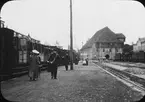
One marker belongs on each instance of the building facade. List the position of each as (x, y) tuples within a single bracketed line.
[(104, 44), (140, 45)]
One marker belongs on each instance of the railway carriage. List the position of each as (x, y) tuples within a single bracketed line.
[(15, 51), (7, 52), (132, 57)]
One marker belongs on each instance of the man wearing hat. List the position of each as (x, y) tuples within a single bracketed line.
[(53, 60), (66, 61)]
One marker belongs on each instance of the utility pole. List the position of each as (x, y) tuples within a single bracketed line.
[(71, 37)]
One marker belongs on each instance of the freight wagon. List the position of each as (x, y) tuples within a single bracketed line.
[(132, 57)]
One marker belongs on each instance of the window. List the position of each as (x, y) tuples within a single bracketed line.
[(121, 39), (103, 50), (25, 56), (116, 50), (22, 44), (22, 56)]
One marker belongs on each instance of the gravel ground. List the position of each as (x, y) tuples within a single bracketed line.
[(83, 84)]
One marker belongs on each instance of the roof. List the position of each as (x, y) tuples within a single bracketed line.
[(120, 35), (103, 35), (142, 39)]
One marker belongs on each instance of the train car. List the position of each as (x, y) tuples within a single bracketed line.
[(132, 57), (118, 57), (8, 52), (15, 52), (16, 49), (127, 56), (140, 56)]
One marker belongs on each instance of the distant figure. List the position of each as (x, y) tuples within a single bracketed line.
[(86, 61), (66, 61), (34, 67), (76, 60), (53, 61)]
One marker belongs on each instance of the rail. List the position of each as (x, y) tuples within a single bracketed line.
[(134, 80)]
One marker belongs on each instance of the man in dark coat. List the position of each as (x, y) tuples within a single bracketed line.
[(66, 61), (53, 61)]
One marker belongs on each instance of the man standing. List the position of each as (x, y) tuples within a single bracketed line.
[(53, 61), (66, 61)]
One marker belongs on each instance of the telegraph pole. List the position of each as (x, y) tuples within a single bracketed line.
[(71, 37)]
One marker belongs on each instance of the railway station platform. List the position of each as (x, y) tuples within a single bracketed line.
[(83, 84)]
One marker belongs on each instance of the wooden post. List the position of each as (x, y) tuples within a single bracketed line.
[(71, 37)]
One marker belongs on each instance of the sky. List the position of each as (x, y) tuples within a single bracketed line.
[(49, 20)]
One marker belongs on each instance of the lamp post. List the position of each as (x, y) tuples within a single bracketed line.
[(71, 37)]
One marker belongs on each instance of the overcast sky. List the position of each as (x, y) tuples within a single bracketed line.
[(49, 20)]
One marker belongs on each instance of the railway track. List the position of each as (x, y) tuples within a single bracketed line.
[(136, 82), (128, 65)]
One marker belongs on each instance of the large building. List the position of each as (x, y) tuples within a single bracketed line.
[(140, 45), (104, 43)]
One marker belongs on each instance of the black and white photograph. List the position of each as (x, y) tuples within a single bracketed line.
[(72, 51)]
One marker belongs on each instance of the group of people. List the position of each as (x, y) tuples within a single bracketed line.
[(52, 64)]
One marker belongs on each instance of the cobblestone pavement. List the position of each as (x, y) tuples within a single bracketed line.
[(83, 84)]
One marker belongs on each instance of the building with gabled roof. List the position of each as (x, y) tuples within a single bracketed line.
[(140, 45), (103, 43)]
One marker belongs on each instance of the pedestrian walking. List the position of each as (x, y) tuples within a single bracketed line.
[(53, 61), (34, 65)]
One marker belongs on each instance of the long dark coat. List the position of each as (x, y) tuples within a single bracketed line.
[(55, 58), (34, 66)]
